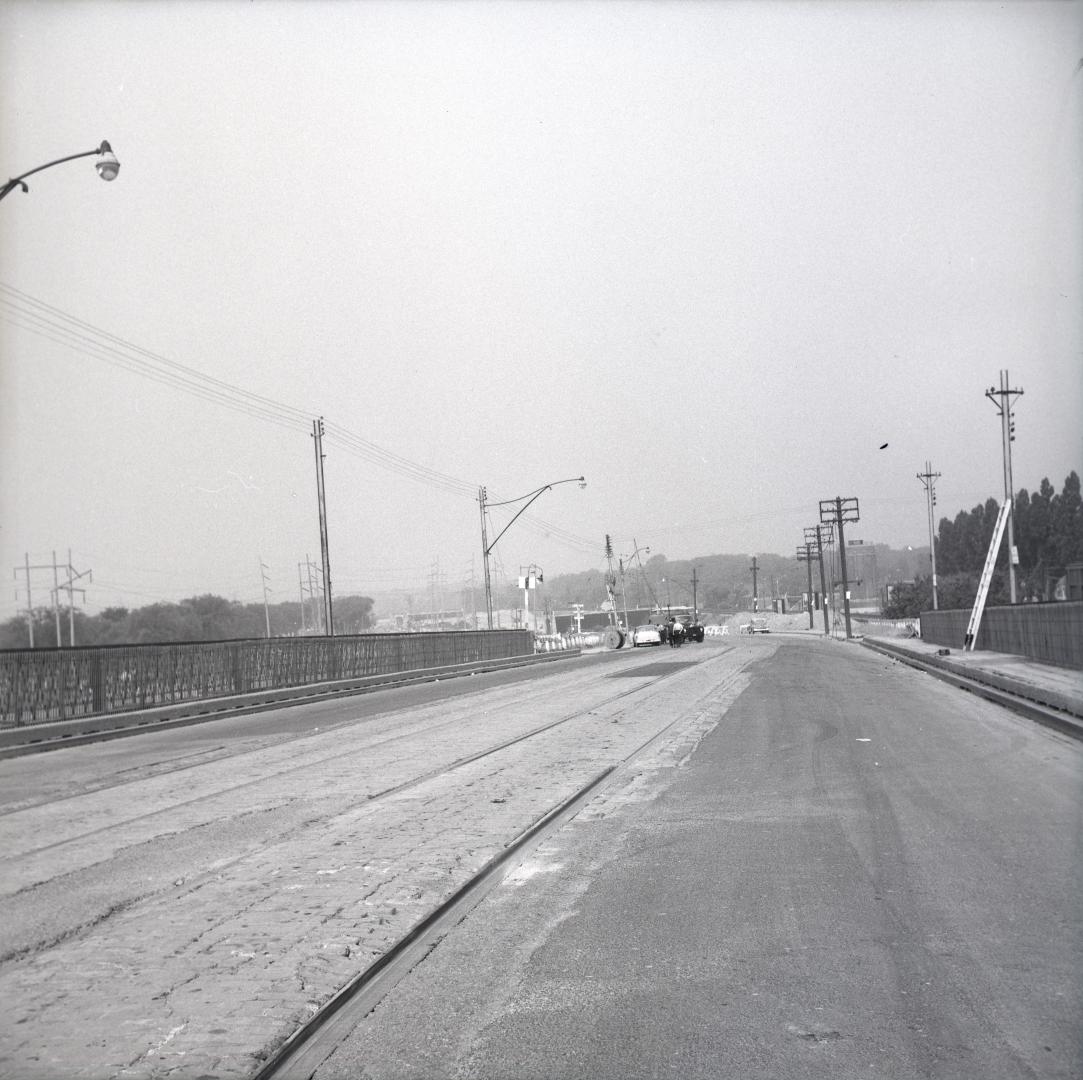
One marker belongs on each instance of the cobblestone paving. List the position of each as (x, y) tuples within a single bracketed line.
[(184, 924)]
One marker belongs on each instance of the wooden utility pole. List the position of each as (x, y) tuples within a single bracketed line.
[(928, 479), (1007, 435), (834, 512), (804, 554)]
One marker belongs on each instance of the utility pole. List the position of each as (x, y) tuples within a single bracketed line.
[(1002, 399), (623, 592), (816, 536), (473, 601), (804, 554), (301, 591), (29, 598), (610, 581), (928, 480), (311, 591), (482, 495), (58, 587), (266, 608), (639, 571), (755, 589), (317, 435), (56, 601), (73, 577), (836, 511), (695, 606)]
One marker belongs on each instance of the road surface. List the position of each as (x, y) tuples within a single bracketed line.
[(810, 861)]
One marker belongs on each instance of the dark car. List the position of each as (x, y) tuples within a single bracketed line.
[(693, 628)]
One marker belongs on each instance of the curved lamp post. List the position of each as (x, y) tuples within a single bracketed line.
[(107, 167), (486, 547)]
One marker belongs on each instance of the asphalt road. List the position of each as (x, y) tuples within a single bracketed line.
[(859, 872)]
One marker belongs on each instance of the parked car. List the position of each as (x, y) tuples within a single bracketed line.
[(647, 634), (756, 626)]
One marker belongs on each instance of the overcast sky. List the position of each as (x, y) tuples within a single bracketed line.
[(709, 255)]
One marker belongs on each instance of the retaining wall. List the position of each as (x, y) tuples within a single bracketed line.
[(1052, 633)]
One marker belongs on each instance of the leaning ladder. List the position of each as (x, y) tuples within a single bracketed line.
[(986, 578)]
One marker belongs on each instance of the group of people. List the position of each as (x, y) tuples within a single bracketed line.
[(673, 631)]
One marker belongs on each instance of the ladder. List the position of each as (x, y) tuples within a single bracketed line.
[(986, 578)]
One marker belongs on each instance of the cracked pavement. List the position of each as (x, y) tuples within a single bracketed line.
[(183, 918)]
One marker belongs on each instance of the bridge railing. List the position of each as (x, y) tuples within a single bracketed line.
[(38, 686)]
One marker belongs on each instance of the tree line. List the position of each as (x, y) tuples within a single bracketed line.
[(200, 618), (1048, 534)]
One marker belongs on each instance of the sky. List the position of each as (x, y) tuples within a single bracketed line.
[(711, 256)]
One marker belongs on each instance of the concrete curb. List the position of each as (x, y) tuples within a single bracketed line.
[(1028, 697)]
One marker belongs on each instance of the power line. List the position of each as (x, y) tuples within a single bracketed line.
[(53, 324), (49, 322)]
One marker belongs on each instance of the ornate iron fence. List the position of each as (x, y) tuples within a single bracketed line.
[(41, 685)]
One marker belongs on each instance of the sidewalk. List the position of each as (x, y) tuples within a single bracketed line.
[(1055, 687)]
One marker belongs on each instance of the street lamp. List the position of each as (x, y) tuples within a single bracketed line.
[(486, 547), (107, 167)]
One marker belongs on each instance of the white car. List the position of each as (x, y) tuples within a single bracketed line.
[(647, 634)]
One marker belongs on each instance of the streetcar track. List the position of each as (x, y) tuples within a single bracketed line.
[(304, 1051), (110, 783), (372, 798)]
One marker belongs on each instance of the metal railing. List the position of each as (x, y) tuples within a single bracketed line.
[(38, 686)]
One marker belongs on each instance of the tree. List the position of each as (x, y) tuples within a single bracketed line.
[(1066, 524), (353, 614), (1048, 533), (909, 599), (162, 623)]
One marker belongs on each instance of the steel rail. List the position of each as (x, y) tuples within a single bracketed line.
[(310, 1045), (405, 785)]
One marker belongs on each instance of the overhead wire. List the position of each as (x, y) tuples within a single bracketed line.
[(48, 322), (369, 451), (26, 312)]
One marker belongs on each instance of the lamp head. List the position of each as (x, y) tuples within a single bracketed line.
[(107, 164), (582, 482)]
